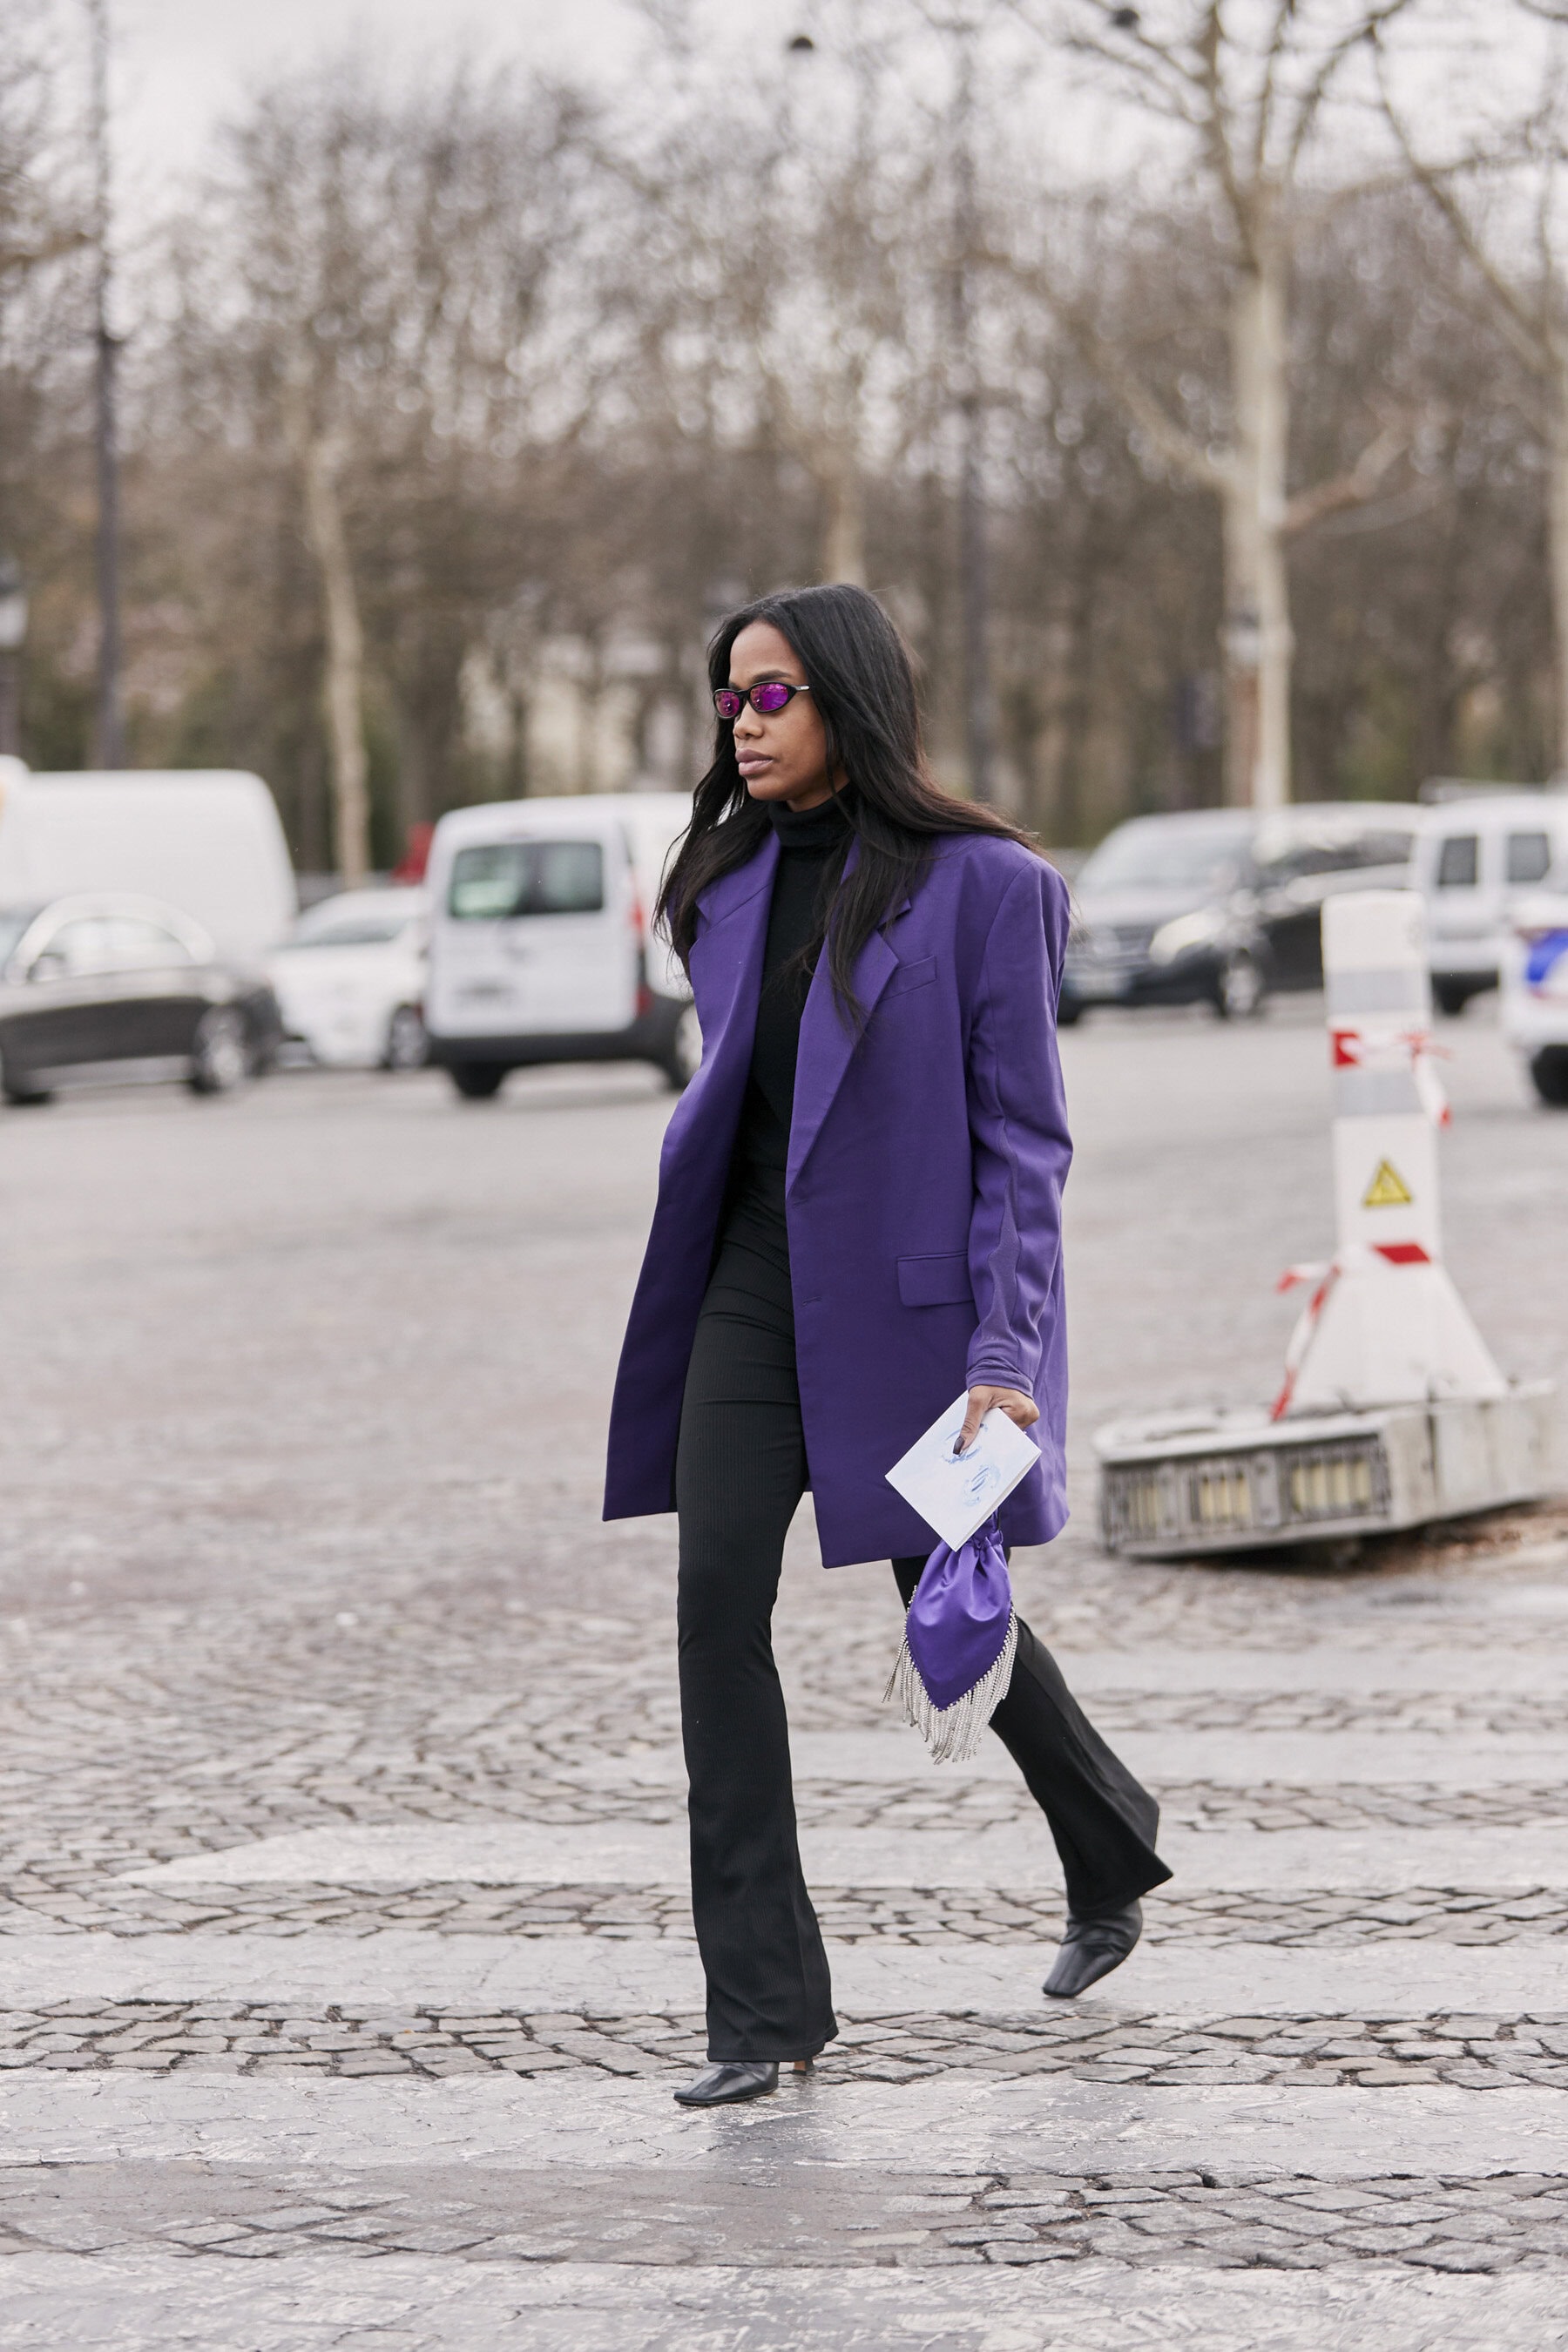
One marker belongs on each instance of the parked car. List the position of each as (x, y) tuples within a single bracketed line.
[(541, 949), (350, 980), (205, 841), (105, 985), (1478, 859), (1535, 989), (1221, 906)]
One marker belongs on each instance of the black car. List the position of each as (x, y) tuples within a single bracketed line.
[(100, 986), (1222, 906)]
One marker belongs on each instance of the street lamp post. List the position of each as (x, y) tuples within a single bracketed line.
[(110, 715), (13, 635), (974, 570)]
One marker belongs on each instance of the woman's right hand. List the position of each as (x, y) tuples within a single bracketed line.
[(1012, 1401)]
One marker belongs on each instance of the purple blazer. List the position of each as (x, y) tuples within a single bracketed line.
[(926, 1164)]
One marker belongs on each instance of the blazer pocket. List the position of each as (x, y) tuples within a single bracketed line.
[(935, 1281), (917, 974)]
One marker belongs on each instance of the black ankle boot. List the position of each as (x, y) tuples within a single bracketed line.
[(727, 2085), (1092, 1946)]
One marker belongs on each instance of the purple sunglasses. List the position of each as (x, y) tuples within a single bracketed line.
[(770, 696)]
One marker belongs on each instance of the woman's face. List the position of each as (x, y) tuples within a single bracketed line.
[(782, 754)]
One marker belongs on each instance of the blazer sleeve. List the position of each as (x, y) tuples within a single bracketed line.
[(1018, 1129)]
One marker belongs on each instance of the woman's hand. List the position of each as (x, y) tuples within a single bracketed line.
[(1012, 1401)]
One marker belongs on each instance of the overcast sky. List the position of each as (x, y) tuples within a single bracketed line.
[(181, 66)]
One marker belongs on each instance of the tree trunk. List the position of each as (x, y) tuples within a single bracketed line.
[(346, 659), (844, 519), (1258, 640), (1077, 702), (1557, 537)]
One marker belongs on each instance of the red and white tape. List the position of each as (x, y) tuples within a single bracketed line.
[(1352, 1047), (1325, 1274)]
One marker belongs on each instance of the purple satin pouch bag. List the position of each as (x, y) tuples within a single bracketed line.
[(960, 1639)]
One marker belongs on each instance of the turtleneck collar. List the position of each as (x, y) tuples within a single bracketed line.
[(815, 828)]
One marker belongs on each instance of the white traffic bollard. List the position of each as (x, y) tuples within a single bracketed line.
[(1384, 1325), (1393, 1413)]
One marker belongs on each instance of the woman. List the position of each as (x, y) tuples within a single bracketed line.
[(858, 1217)]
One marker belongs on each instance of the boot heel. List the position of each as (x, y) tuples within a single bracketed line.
[(803, 2065)]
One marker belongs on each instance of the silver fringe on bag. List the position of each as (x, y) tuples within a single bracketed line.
[(953, 1734)]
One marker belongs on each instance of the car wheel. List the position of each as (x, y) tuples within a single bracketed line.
[(1451, 996), (478, 1081), (1549, 1074), (18, 1093), (1238, 992), (220, 1058), (683, 1056), (1069, 1013), (407, 1047)]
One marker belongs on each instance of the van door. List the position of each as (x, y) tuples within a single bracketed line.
[(1462, 914), (1526, 856), (477, 989), (536, 941), (581, 948)]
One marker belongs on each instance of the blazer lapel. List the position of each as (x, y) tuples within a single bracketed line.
[(726, 962), (827, 1041), (723, 899)]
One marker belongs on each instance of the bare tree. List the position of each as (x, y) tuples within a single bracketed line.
[(792, 261), (1251, 99), (45, 238), (1500, 196), (368, 304), (43, 205), (472, 419)]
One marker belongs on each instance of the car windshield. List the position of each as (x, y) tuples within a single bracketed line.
[(1148, 854), (349, 926)]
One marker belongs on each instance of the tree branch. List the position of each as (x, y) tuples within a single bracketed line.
[(1370, 29), (1283, 12), (1148, 64), (1245, 209), (1353, 489), (52, 248), (1177, 446), (1529, 336)]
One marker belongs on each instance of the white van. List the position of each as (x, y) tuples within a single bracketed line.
[(206, 842), (540, 943), (1475, 860)]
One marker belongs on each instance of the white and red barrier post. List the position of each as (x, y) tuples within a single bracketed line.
[(1384, 1324)]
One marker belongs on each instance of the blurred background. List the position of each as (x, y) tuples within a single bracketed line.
[(391, 410)]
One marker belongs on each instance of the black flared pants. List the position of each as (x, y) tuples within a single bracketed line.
[(740, 1473)]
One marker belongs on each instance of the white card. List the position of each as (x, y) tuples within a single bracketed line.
[(956, 1493)]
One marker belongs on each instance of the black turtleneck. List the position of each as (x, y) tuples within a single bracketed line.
[(811, 848)]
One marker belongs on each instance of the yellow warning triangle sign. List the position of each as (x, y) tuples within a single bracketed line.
[(1388, 1188)]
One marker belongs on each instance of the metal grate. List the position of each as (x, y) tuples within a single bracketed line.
[(1217, 1498), (1348, 1479)]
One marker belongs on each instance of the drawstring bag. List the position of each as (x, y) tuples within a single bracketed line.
[(959, 1639)]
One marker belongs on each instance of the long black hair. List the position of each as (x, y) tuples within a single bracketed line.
[(862, 682)]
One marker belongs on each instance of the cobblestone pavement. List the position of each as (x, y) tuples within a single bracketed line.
[(1478, 2053), (301, 1426), (1153, 2219), (850, 1915)]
